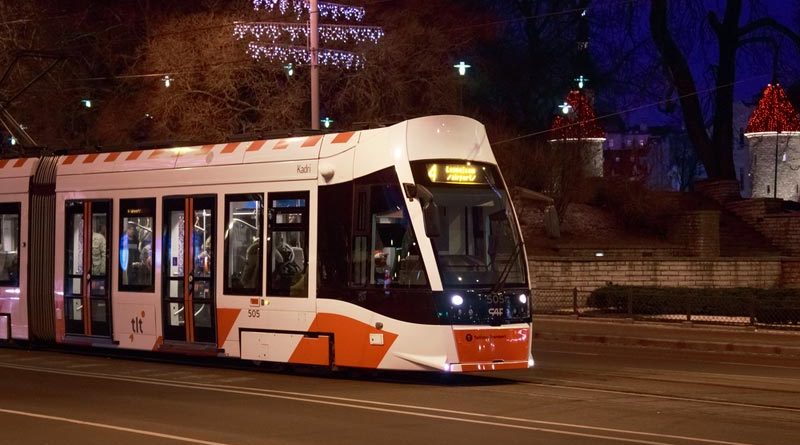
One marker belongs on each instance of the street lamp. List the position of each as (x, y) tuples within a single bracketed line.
[(326, 122), (87, 103), (565, 108), (167, 81), (581, 81), (289, 69), (462, 68)]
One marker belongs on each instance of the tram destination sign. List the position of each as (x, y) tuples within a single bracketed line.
[(456, 173)]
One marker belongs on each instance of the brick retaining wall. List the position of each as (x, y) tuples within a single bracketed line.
[(589, 274), (764, 214)]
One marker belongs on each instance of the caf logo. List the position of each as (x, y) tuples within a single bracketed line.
[(469, 337)]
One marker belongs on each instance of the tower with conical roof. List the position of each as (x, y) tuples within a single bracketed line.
[(576, 127), (773, 134)]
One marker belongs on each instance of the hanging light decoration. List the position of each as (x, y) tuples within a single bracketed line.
[(332, 11), (577, 120), (302, 56), (774, 113), (278, 41), (274, 31)]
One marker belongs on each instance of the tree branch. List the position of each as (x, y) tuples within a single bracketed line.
[(769, 22)]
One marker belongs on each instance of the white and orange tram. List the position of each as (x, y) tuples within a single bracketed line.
[(389, 248)]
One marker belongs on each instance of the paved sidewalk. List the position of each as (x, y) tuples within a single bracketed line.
[(690, 337)]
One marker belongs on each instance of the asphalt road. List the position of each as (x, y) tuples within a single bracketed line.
[(576, 394)]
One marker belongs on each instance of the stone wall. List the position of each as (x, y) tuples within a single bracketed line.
[(698, 231), (721, 191), (765, 215), (588, 274), (762, 165)]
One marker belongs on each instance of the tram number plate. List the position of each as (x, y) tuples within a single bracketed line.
[(496, 305), (254, 313)]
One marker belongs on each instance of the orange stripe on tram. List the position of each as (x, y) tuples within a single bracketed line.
[(230, 148), (157, 153), (3, 162), (112, 157), (256, 145), (341, 138), (69, 159), (311, 141), (280, 145), (226, 318), (90, 158), (134, 155), (350, 337), (20, 162), (205, 149)]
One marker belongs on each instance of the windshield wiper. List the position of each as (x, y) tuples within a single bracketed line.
[(501, 282)]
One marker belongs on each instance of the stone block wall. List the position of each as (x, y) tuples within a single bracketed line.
[(720, 191), (767, 150), (698, 231), (764, 215), (589, 274)]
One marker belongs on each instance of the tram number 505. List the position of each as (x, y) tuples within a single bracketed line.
[(254, 313)]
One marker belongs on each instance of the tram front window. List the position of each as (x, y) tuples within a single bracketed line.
[(478, 243)]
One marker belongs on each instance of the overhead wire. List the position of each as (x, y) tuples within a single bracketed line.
[(629, 110)]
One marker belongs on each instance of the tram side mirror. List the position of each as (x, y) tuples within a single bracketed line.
[(430, 211)]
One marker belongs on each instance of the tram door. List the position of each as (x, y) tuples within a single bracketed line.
[(188, 269), (88, 263)]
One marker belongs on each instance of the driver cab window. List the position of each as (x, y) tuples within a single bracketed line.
[(385, 250), (288, 244)]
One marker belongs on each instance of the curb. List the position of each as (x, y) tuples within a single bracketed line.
[(684, 345), (675, 337)]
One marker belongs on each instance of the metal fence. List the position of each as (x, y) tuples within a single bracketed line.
[(735, 310)]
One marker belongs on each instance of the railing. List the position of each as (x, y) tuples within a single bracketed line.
[(733, 310)]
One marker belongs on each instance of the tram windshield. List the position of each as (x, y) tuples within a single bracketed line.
[(477, 244)]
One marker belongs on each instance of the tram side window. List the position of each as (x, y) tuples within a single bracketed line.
[(136, 244), (243, 239), (9, 244), (335, 204), (288, 244), (385, 250)]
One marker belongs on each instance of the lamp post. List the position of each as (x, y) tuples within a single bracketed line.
[(462, 71)]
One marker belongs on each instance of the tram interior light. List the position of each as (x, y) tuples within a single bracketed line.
[(457, 300)]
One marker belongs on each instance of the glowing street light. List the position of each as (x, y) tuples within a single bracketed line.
[(581, 81), (167, 81), (462, 67), (326, 122), (289, 69), (87, 103), (565, 107)]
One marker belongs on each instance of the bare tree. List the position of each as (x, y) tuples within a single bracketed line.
[(715, 150)]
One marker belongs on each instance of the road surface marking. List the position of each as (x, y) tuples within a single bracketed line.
[(393, 408), (111, 427), (660, 396)]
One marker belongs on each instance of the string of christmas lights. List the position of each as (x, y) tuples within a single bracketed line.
[(773, 113), (302, 56), (580, 121), (274, 31), (332, 11)]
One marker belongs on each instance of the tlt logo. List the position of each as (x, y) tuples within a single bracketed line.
[(136, 324)]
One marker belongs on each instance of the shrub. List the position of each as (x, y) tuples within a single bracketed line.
[(770, 306)]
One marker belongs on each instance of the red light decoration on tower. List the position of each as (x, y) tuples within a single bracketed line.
[(580, 122), (774, 113)]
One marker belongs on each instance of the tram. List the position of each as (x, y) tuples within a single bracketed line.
[(389, 248)]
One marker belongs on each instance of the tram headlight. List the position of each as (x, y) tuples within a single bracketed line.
[(523, 298), (457, 300)]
